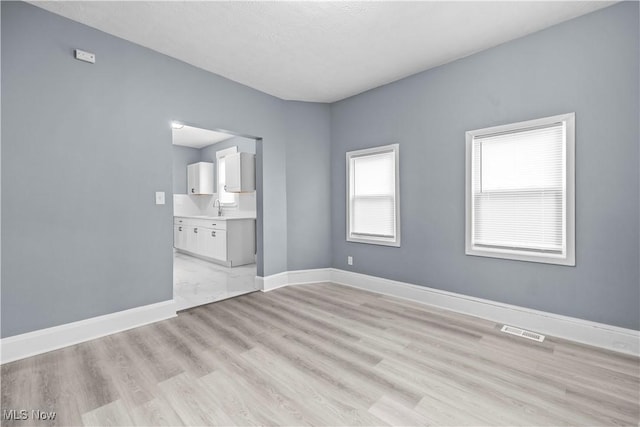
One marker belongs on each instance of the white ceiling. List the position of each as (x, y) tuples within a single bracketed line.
[(318, 51), (189, 136)]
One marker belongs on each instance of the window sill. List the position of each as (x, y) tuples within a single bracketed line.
[(374, 241), (516, 255)]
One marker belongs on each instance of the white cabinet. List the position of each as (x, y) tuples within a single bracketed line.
[(213, 243), (179, 237), (185, 236), (200, 178), (228, 241), (188, 238), (240, 172)]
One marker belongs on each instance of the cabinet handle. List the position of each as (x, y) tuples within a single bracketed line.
[(213, 234), (193, 190), (213, 225), (195, 230), (179, 228), (225, 187)]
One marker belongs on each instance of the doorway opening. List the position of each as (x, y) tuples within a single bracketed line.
[(215, 210)]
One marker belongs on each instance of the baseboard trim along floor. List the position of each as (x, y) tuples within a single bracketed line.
[(297, 277), (44, 340), (601, 335), (582, 331)]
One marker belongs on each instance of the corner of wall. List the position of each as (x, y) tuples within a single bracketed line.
[(308, 166)]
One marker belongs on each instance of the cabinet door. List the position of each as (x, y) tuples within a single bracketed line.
[(179, 237), (205, 178), (192, 179), (184, 237), (200, 178), (240, 172), (232, 173), (214, 243), (191, 239)]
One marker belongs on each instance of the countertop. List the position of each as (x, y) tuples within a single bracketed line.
[(217, 218)]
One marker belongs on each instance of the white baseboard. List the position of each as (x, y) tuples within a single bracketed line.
[(297, 277), (579, 330), (44, 340), (275, 281)]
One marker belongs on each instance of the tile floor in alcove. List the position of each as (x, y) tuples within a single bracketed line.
[(197, 282)]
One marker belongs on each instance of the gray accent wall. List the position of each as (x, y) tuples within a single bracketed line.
[(85, 147), (589, 66), (183, 157), (308, 186)]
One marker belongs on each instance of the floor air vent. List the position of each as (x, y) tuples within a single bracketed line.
[(522, 333)]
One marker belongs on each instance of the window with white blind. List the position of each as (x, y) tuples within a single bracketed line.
[(373, 208), (226, 198), (520, 201)]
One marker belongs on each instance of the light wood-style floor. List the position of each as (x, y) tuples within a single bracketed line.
[(324, 355)]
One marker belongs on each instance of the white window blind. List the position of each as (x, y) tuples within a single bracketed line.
[(519, 191), (372, 195)]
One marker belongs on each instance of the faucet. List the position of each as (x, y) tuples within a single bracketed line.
[(219, 207)]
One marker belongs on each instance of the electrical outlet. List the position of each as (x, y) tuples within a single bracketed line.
[(350, 260)]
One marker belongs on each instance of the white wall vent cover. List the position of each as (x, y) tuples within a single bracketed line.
[(522, 333)]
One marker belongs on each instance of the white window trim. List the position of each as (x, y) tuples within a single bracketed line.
[(219, 155), (568, 256), (384, 241)]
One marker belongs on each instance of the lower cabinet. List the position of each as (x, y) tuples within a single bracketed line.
[(212, 243), (230, 242), (186, 238), (180, 237)]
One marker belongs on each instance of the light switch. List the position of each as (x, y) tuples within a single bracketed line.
[(159, 197)]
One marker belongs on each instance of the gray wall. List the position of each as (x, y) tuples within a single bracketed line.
[(588, 65), (182, 157), (85, 148), (308, 186)]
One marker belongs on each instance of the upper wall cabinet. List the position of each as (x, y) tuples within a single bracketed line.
[(200, 178), (240, 172)]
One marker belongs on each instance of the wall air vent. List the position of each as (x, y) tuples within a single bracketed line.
[(522, 333)]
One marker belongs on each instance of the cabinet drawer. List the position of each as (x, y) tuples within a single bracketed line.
[(209, 223), (180, 220)]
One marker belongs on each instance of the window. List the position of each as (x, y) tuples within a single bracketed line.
[(373, 208), (520, 191), (226, 199)]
